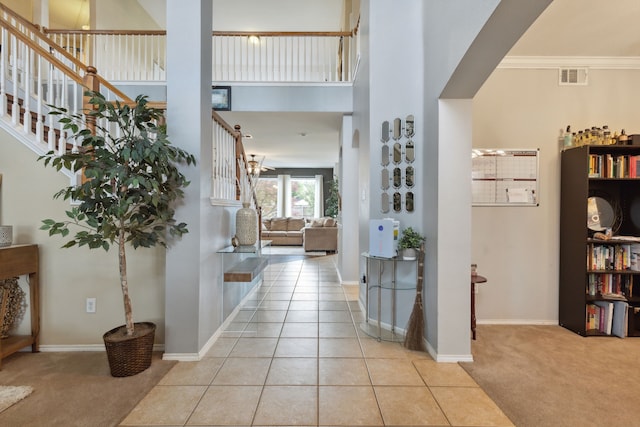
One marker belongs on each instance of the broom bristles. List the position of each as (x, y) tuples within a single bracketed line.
[(414, 339)]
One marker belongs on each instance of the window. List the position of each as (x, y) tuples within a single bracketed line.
[(302, 197), (290, 196), (267, 195)]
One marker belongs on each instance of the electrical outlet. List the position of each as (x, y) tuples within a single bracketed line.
[(91, 305)]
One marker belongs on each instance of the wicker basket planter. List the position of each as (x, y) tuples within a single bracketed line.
[(130, 355)]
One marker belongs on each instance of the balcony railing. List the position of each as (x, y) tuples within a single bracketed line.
[(319, 57)]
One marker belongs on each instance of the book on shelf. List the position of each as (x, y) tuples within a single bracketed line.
[(619, 326), (591, 317), (611, 166), (614, 296), (605, 316)]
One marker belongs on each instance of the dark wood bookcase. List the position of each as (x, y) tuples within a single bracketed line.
[(578, 272)]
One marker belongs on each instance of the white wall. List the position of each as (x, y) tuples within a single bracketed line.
[(395, 85), (121, 15), (517, 249)]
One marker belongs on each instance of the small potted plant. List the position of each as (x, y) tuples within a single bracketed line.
[(127, 196), (410, 240)]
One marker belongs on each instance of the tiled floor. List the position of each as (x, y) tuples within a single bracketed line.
[(295, 356)]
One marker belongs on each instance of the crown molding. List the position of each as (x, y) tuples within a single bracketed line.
[(554, 62)]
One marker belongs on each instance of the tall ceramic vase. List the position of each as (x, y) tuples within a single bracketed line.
[(246, 225)]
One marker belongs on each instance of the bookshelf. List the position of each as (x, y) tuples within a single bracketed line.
[(599, 291)]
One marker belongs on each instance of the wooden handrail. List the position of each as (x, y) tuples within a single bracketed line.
[(218, 118), (116, 91), (107, 32), (353, 32)]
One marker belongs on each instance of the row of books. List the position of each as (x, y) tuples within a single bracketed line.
[(610, 166), (608, 317), (610, 284), (613, 257)]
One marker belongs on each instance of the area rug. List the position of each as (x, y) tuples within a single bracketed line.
[(12, 394)]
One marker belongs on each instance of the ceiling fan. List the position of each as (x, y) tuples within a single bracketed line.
[(255, 167)]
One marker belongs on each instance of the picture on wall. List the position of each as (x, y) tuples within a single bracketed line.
[(221, 98)]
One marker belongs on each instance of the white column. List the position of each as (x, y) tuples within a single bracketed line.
[(41, 13), (348, 252), (188, 277), (318, 205)]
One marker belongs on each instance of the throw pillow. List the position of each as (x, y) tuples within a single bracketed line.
[(279, 224), (317, 223), (295, 224), (266, 224), (329, 222)]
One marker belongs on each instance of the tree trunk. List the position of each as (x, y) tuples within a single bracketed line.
[(124, 283)]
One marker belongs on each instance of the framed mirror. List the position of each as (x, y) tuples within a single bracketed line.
[(408, 177), (397, 177), (409, 130), (409, 201), (397, 153), (397, 128), (397, 202), (385, 179), (384, 136), (385, 155), (409, 152), (384, 203)]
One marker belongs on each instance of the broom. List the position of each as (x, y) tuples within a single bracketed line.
[(414, 338)]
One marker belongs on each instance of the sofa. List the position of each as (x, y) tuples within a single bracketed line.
[(320, 234), (283, 231)]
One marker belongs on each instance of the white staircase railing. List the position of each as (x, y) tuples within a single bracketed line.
[(316, 57), (35, 73), (224, 170)]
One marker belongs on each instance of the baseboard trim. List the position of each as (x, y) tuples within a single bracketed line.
[(517, 322), (80, 348)]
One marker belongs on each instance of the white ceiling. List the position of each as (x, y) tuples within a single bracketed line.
[(567, 28), (302, 140), (583, 28)]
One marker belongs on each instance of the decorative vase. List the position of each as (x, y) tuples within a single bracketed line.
[(246, 225), (6, 235), (409, 254)]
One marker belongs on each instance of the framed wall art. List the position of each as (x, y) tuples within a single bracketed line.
[(221, 98)]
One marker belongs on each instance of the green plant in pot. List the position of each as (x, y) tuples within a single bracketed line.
[(130, 186), (410, 241)]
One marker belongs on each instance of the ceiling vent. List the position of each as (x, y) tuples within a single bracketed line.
[(573, 76)]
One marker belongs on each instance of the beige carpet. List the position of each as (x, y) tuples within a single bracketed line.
[(10, 394), (74, 389), (548, 376)]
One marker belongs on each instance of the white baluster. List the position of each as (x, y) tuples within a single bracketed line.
[(26, 117), (3, 76)]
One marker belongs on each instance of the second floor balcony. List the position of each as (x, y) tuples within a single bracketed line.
[(282, 57)]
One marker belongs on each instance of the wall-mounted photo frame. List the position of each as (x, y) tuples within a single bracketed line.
[(221, 98)]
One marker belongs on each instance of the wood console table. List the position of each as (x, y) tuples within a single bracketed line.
[(18, 260), (474, 279)]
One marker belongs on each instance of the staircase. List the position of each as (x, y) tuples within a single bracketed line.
[(36, 72)]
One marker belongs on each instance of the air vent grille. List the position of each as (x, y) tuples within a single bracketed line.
[(573, 76)]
